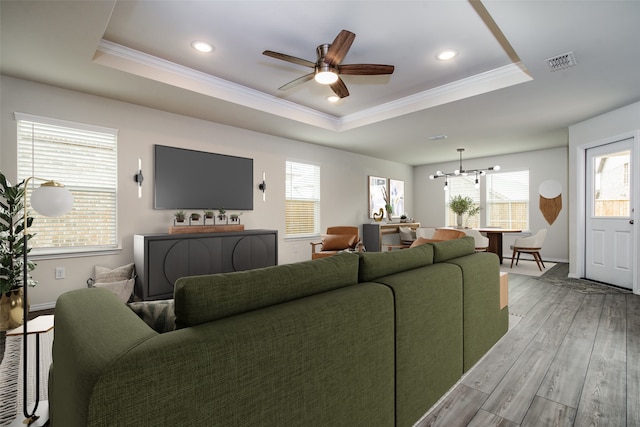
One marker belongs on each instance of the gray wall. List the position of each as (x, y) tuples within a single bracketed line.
[(343, 175)]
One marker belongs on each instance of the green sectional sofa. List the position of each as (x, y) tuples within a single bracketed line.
[(350, 340)]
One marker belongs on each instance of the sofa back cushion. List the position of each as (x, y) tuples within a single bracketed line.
[(374, 265), (201, 299), (449, 249)]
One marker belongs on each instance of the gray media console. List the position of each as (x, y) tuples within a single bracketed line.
[(161, 259)]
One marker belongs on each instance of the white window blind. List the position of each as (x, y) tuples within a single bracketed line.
[(84, 159), (302, 199), (508, 200), (465, 187)]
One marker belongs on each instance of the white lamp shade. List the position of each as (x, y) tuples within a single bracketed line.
[(51, 200)]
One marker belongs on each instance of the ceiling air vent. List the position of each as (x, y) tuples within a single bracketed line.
[(561, 62)]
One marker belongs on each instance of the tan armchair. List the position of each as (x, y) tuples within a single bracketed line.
[(335, 240), (439, 235)]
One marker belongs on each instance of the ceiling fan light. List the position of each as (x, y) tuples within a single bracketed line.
[(326, 77), (333, 98), (496, 168)]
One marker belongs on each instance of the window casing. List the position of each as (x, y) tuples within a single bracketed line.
[(507, 203), (302, 196), (84, 159)]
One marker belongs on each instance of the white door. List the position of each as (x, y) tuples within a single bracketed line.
[(609, 224)]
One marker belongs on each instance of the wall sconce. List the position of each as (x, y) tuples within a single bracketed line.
[(139, 178), (263, 186)]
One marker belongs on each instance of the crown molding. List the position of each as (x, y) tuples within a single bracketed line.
[(144, 65)]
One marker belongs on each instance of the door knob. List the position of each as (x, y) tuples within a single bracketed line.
[(631, 221)]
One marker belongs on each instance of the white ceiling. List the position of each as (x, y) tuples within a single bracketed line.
[(496, 97)]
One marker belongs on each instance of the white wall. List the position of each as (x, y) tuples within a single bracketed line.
[(343, 175), (430, 207), (614, 125)]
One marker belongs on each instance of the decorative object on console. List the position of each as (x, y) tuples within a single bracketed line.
[(387, 203), (221, 214), (463, 172), (139, 178), (194, 217), (235, 218), (377, 217), (180, 216), (263, 186)]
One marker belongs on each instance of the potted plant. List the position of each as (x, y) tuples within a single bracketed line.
[(12, 223), (221, 214), (180, 216), (235, 217), (195, 216), (461, 205), (208, 214)]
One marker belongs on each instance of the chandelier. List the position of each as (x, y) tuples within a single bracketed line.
[(462, 172)]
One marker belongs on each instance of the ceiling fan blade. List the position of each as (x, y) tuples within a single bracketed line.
[(339, 88), (340, 47), (297, 81), (289, 58), (365, 69)]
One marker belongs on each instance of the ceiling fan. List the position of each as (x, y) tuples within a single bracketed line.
[(327, 68)]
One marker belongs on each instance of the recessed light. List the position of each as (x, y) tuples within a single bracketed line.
[(437, 137), (445, 55), (333, 98), (201, 46)]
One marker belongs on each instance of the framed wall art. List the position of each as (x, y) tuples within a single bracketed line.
[(396, 196), (377, 190)]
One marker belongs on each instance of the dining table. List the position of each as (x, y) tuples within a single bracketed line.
[(495, 238)]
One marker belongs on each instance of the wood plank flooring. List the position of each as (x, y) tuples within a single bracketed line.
[(569, 359)]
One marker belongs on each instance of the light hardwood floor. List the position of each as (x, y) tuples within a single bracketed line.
[(569, 359)]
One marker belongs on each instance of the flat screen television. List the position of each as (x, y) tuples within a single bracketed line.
[(190, 179)]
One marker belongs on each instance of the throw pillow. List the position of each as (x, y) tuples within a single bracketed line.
[(337, 242), (107, 275), (121, 289), (407, 234), (159, 315)]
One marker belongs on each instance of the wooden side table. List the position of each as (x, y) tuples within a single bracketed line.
[(37, 326)]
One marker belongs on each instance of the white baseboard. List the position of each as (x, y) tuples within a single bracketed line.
[(44, 306)]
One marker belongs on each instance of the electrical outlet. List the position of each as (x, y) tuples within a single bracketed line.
[(59, 273)]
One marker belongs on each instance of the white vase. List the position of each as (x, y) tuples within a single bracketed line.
[(459, 221)]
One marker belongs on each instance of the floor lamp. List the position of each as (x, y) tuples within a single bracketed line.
[(50, 199)]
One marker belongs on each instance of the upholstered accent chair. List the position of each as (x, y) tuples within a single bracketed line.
[(529, 245), (336, 239), (482, 242)]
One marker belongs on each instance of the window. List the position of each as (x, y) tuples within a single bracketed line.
[(508, 200), (84, 159), (302, 199), (465, 187)]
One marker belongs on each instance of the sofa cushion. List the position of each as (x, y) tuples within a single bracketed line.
[(338, 242), (374, 265), (449, 249), (201, 299)]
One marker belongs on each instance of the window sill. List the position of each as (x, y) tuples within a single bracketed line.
[(78, 253)]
